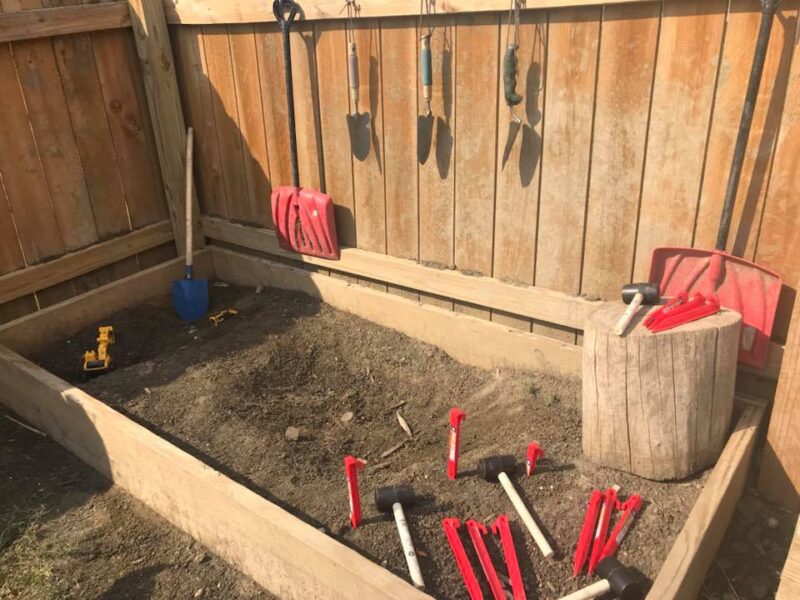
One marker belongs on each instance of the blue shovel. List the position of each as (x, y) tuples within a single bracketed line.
[(189, 295)]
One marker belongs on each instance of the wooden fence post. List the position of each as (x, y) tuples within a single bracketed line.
[(161, 85), (779, 480)]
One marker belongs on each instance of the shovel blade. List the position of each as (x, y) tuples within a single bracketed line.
[(190, 298), (738, 284), (304, 221)]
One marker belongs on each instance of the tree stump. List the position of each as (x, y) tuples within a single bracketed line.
[(658, 405)]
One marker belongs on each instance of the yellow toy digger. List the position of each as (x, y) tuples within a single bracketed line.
[(99, 361)]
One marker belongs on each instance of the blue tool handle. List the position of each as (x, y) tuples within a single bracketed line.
[(426, 70)]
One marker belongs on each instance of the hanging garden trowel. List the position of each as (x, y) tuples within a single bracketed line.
[(510, 63), (425, 122), (357, 123)]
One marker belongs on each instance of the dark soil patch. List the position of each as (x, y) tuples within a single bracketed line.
[(227, 394), (65, 534)]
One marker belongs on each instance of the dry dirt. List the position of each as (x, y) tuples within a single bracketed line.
[(228, 394)]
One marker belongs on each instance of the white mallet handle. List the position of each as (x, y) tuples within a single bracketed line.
[(408, 545), (625, 319), (590, 591), (526, 517)]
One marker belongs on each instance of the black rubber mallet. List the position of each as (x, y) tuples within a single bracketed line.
[(623, 582), (634, 295), (496, 468), (392, 499)]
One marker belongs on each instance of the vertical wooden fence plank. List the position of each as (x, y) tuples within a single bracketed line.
[(519, 153), (437, 173), (251, 121), (737, 58), (226, 117), (572, 48), (624, 82), (193, 75), (681, 107), (11, 259), (331, 61)]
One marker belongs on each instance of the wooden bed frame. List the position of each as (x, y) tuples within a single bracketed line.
[(279, 551)]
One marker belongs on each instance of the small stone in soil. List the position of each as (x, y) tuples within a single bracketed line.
[(199, 592), (346, 417), (201, 557), (772, 522), (292, 434)]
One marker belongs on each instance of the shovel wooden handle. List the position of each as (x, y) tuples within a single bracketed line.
[(352, 72), (188, 200)]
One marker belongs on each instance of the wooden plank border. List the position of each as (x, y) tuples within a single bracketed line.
[(32, 279), (279, 551), (528, 301), (197, 12), (682, 574), (63, 20), (468, 339), (35, 331)]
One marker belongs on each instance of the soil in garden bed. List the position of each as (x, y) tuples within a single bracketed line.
[(277, 395), (65, 534)]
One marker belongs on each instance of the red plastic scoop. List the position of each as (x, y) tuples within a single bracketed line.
[(304, 221), (737, 284)]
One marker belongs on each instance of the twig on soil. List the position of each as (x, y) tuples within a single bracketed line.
[(728, 579), (28, 427), (396, 406), (393, 449), (382, 465), (708, 593), (404, 425)]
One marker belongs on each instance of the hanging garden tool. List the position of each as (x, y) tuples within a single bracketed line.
[(303, 217), (357, 123), (425, 122), (510, 65)]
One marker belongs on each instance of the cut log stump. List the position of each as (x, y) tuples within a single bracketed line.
[(658, 405)]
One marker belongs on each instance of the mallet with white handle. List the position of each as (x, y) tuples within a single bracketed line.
[(634, 295), (495, 468), (622, 581)]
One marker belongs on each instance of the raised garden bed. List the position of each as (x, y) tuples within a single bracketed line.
[(265, 370)]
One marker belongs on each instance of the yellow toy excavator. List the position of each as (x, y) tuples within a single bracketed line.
[(99, 361)]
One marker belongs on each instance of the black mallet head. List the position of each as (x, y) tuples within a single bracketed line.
[(626, 584), (648, 290), (387, 496), (490, 467)]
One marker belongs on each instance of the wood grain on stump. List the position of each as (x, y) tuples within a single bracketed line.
[(658, 405)]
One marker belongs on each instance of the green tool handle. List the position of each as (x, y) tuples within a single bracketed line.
[(352, 72), (510, 76), (426, 70)]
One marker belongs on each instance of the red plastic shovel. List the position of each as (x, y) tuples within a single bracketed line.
[(304, 220), (736, 283)]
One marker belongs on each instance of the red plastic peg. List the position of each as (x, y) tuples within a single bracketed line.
[(451, 526), (352, 466), (476, 532), (457, 416), (502, 528), (534, 453), (630, 507), (585, 538), (609, 504)]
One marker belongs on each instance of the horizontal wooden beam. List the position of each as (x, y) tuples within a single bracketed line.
[(526, 301), (26, 281), (684, 570), (36, 331), (190, 12), (279, 551), (63, 20), (468, 339)]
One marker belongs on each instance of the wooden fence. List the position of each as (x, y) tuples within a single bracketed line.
[(629, 120), (78, 163)]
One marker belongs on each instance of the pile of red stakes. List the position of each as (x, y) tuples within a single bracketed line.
[(597, 521)]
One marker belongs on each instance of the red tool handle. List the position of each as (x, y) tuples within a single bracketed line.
[(457, 416), (352, 466), (609, 504), (533, 454), (502, 528), (476, 532), (456, 545), (631, 506), (585, 538)]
